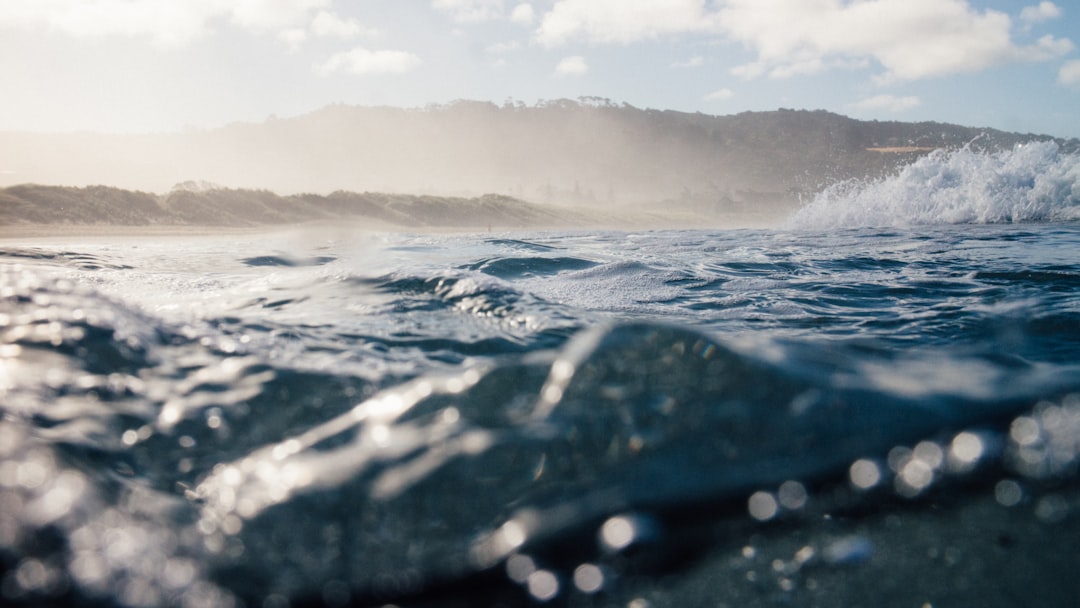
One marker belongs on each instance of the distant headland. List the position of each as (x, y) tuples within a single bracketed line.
[(496, 161)]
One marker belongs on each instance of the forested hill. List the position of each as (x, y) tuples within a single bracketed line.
[(571, 152)]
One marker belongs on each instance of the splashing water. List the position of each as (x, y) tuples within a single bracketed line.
[(1034, 182)]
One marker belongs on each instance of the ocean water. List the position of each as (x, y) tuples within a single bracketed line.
[(876, 403)]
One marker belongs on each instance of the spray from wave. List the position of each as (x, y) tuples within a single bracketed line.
[(1033, 182)]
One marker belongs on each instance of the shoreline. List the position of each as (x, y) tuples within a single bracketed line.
[(734, 221)]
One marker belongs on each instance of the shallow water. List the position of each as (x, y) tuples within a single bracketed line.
[(589, 418)]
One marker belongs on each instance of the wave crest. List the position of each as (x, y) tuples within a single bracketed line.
[(1033, 182)]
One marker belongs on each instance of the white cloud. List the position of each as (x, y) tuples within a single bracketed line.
[(523, 14), (720, 95), (470, 11), (165, 22), (911, 39), (1044, 11), (1069, 74), (293, 37), (888, 103), (328, 24), (325, 24), (363, 61), (271, 15), (621, 21), (503, 47), (479, 11), (694, 62), (572, 66)]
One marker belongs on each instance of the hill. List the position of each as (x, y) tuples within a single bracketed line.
[(590, 151)]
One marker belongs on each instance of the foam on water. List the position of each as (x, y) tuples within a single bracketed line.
[(1032, 183)]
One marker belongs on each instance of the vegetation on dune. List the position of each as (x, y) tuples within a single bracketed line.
[(101, 205)]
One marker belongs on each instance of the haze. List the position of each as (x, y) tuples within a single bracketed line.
[(286, 96), (137, 66)]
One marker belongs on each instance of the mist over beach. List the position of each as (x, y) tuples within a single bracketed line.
[(584, 163)]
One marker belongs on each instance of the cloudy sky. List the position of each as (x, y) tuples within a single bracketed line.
[(169, 65)]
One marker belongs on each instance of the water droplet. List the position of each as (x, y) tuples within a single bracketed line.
[(965, 450), (864, 474), (1051, 509), (543, 585), (1008, 493), (618, 533), (589, 578), (915, 476), (792, 495), (898, 457), (762, 506), (519, 567), (1024, 430), (930, 453)]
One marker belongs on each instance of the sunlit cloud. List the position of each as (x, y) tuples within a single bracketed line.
[(621, 21), (170, 23), (324, 24), (166, 22), (503, 47), (694, 62), (1069, 74), (293, 37), (328, 24), (523, 14), (269, 15), (1044, 11), (364, 61), (720, 95), (887, 103), (470, 11), (572, 66), (908, 39)]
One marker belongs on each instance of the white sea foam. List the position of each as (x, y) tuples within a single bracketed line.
[(1034, 182)]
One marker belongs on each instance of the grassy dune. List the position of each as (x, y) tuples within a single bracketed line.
[(36, 210)]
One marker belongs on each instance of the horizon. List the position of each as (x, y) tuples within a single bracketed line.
[(582, 101), (168, 66), (541, 152)]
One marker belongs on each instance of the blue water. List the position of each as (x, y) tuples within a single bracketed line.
[(334, 417)]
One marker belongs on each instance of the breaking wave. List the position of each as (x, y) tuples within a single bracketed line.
[(1033, 182)]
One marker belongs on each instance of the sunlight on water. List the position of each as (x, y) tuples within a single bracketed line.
[(799, 413)]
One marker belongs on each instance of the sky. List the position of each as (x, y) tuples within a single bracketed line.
[(153, 66)]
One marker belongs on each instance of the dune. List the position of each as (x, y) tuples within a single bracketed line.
[(37, 210)]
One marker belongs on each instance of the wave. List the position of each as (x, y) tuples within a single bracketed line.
[(260, 481), (1033, 182), (324, 433)]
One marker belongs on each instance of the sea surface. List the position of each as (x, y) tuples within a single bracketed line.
[(875, 403)]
